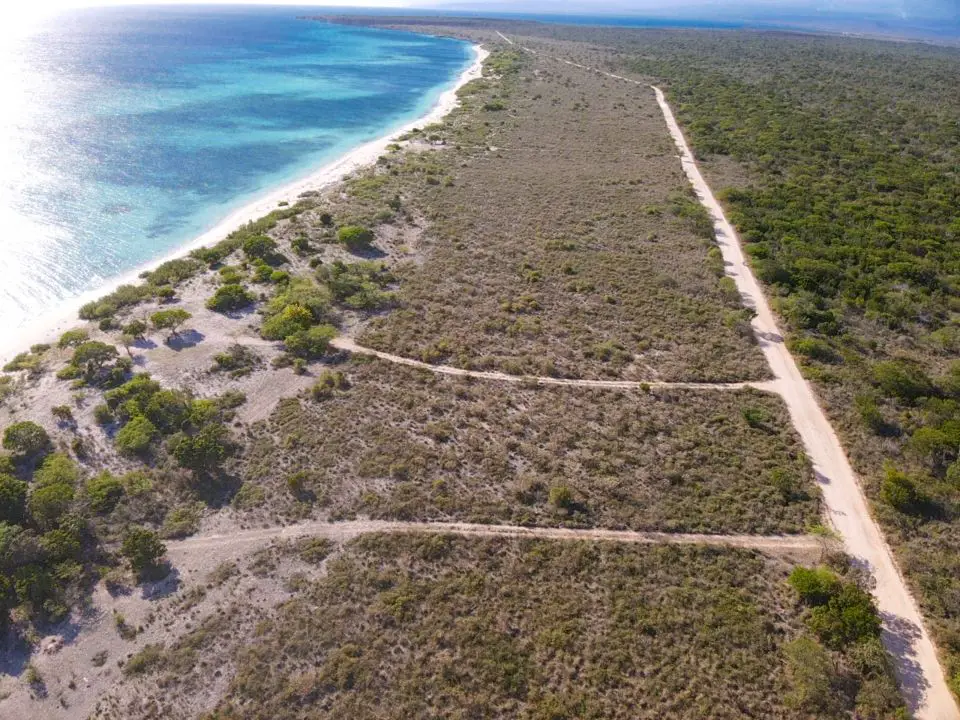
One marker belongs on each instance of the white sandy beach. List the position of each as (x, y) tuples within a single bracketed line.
[(50, 325)]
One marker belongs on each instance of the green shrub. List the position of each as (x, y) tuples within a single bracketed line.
[(182, 521), (811, 674), (57, 468), (69, 372), (238, 360), (902, 380), (213, 255), (355, 238), (325, 385), (123, 296), (292, 319), (72, 338), (26, 438), (47, 503), (142, 548), (561, 497), (229, 298), (29, 362), (815, 586), (311, 343), (174, 271), (13, 499), (150, 658), (250, 495), (104, 492), (103, 415), (900, 492), (814, 348), (136, 436), (167, 410)]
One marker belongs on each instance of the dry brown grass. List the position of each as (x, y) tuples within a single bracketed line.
[(410, 626), (551, 232), (406, 444)]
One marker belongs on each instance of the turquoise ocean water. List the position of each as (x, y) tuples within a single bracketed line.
[(126, 132)]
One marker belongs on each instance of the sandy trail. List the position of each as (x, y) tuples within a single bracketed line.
[(918, 668), (345, 343), (341, 531)]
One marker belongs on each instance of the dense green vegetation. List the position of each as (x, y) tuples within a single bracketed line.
[(50, 546), (845, 187)]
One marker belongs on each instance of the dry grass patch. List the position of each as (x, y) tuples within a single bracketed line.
[(392, 442), (413, 626)]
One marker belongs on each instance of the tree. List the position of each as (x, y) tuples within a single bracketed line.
[(26, 438), (136, 328), (848, 618), (92, 356), (135, 437), (142, 548), (13, 498), (259, 247), (128, 341), (230, 297), (355, 237), (170, 320)]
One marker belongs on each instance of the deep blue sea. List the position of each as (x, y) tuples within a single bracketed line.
[(126, 132)]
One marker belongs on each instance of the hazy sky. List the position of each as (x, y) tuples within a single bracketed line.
[(907, 9)]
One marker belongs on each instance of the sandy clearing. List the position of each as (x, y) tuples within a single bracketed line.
[(347, 344)]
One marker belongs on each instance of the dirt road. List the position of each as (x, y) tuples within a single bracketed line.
[(342, 531), (918, 667)]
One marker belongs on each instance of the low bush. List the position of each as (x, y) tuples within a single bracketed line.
[(230, 298), (355, 238)]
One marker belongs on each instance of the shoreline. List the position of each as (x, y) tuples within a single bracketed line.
[(49, 325)]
